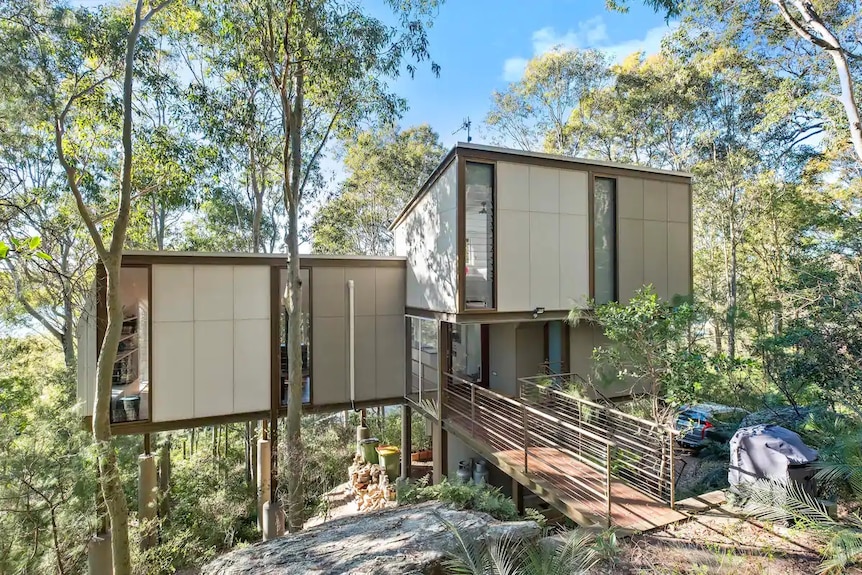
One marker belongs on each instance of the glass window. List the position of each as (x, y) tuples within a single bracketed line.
[(423, 360), (479, 238), (305, 343), (466, 346), (604, 240), (130, 381)]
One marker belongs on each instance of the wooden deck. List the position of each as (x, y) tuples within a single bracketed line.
[(575, 484)]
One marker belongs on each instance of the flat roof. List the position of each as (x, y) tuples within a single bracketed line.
[(245, 258), (576, 162)]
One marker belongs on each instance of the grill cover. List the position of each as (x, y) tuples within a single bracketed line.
[(766, 451)]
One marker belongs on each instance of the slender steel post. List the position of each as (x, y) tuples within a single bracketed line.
[(608, 479), (524, 423), (672, 471), (473, 410)]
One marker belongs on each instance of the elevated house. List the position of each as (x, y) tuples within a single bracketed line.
[(466, 324)]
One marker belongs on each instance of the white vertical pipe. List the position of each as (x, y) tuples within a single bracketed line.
[(351, 365)]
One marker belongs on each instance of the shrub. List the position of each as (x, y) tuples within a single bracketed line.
[(462, 495)]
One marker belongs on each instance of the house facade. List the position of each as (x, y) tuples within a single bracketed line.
[(492, 254)]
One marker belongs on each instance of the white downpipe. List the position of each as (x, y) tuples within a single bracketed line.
[(351, 319)]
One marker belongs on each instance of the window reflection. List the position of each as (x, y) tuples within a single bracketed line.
[(479, 237), (604, 240)]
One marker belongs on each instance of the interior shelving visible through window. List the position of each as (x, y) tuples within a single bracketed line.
[(479, 236), (130, 380), (604, 240)]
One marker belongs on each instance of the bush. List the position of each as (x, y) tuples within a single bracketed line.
[(462, 495)]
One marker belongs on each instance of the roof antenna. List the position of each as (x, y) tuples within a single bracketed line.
[(465, 125)]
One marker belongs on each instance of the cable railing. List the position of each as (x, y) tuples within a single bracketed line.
[(642, 451), (531, 431), (531, 439)]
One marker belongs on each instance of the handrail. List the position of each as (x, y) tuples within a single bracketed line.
[(540, 423), (533, 381)]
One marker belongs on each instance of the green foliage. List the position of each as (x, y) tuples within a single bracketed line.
[(47, 477), (462, 495), (573, 554), (651, 350), (385, 168)]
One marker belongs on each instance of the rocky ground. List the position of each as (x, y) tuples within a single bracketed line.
[(412, 539)]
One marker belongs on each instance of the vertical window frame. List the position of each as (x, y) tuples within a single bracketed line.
[(462, 253)]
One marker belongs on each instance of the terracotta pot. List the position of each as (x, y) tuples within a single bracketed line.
[(422, 455)]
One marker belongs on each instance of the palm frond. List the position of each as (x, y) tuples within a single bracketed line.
[(773, 500), (469, 556), (504, 556), (836, 473), (843, 548)]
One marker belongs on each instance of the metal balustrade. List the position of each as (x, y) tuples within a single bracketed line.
[(578, 447)]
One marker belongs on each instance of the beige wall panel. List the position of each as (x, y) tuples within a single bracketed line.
[(427, 237), (173, 371), (173, 293), (574, 261), (630, 198), (574, 193), (329, 351), (251, 292), (329, 292), (502, 358), (365, 346), (544, 190), (365, 287), (445, 196), (630, 255), (513, 186), (389, 291), (251, 365), (530, 353), (581, 349), (655, 257), (390, 356), (678, 201), (213, 292), (213, 371), (544, 261), (655, 200), (679, 259), (443, 264), (513, 261)]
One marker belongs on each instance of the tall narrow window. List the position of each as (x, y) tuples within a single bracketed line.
[(604, 240), (130, 381), (479, 238), (423, 359)]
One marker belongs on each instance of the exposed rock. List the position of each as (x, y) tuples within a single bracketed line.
[(408, 539)]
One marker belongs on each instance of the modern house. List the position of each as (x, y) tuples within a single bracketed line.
[(492, 253)]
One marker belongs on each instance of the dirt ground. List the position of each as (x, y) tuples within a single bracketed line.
[(719, 541)]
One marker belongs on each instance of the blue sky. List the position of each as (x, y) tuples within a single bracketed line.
[(482, 45)]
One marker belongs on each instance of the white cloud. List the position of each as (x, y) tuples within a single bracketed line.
[(592, 33), (513, 69)]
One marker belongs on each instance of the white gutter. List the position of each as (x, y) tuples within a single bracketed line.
[(351, 319)]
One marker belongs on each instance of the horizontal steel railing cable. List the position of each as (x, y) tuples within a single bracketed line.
[(542, 428), (641, 449)]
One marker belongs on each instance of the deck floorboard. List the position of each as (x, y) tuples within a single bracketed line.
[(551, 471)]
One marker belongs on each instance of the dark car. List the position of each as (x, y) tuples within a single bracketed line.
[(697, 423)]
